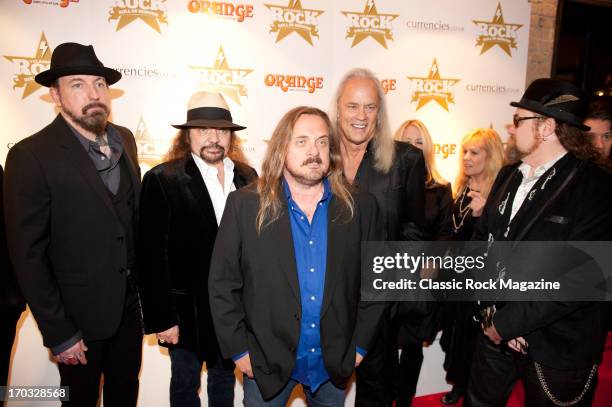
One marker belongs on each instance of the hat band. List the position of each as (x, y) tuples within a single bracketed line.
[(209, 113), (551, 111)]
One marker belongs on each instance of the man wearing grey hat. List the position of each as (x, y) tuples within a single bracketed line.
[(556, 192), (181, 206), (71, 196)]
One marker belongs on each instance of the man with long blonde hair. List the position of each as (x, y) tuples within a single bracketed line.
[(394, 173), (285, 275)]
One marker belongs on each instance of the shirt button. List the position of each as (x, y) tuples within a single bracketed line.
[(313, 325), (310, 242), (102, 158), (311, 270), (301, 217), (312, 298), (313, 350)]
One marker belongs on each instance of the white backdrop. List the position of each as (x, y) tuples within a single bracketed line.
[(455, 65)]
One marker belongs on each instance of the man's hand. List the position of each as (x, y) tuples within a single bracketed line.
[(492, 334), (244, 364), (74, 355), (358, 359), (169, 335), (518, 344)]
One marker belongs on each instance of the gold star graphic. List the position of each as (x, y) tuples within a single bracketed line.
[(433, 87), (29, 67), (126, 15), (497, 32), (302, 21), (370, 24), (229, 81)]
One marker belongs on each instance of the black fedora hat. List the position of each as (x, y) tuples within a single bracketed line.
[(557, 99), (208, 109), (71, 58)]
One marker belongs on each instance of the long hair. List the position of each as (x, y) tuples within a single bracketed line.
[(433, 176), (489, 140), (574, 141), (180, 148), (384, 147), (269, 184)]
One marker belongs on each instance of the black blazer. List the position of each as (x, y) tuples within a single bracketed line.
[(10, 294), (254, 290), (177, 233), (400, 193), (65, 239), (562, 335)]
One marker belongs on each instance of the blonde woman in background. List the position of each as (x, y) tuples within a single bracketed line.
[(482, 156), (415, 330)]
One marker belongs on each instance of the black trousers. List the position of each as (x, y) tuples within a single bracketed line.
[(118, 358), (376, 373), (409, 370), (9, 315), (496, 369)]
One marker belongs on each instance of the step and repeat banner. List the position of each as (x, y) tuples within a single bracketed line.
[(455, 65)]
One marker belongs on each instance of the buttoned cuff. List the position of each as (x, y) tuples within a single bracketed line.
[(239, 356)]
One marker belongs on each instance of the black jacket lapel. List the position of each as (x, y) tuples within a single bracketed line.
[(200, 197), (76, 154), (335, 251)]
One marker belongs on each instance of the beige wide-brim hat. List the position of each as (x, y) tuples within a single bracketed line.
[(208, 109)]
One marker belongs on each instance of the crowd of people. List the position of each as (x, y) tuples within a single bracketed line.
[(262, 273)]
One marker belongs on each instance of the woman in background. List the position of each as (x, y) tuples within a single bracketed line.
[(415, 330), (482, 156)]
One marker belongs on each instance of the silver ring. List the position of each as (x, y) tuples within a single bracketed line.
[(162, 341)]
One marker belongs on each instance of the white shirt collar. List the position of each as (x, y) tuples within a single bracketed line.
[(206, 168), (525, 169)]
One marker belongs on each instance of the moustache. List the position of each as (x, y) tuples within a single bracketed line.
[(95, 104), (312, 160), (211, 146)]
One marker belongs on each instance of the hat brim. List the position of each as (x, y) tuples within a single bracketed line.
[(534, 107), (219, 124), (47, 77)]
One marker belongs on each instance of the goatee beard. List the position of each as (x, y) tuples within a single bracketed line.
[(94, 122)]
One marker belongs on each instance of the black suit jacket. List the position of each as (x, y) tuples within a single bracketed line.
[(400, 193), (562, 335), (65, 239), (255, 298), (178, 229)]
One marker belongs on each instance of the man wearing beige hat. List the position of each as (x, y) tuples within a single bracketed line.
[(71, 195), (182, 203)]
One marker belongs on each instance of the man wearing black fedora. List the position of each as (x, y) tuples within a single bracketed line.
[(555, 193), (181, 206), (71, 197)]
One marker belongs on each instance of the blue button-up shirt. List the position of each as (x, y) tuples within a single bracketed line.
[(310, 246)]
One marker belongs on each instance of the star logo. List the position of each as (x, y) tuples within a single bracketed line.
[(497, 32), (220, 77), (433, 87), (294, 18), (27, 68), (150, 150), (370, 23), (152, 12)]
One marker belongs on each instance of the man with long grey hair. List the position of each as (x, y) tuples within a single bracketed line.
[(394, 172)]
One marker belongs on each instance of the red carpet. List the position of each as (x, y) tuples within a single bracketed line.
[(603, 396)]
